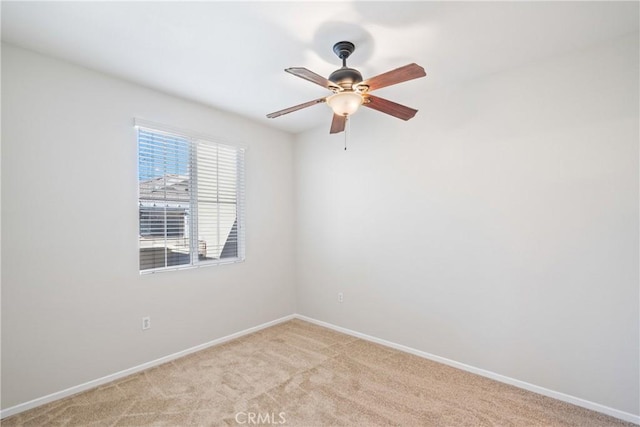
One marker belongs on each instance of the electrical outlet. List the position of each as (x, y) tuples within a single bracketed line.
[(340, 297), (146, 323)]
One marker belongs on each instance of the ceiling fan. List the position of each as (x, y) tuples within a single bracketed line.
[(350, 90)]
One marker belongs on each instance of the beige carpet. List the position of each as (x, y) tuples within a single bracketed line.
[(299, 374)]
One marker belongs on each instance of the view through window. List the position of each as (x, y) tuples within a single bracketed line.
[(191, 196)]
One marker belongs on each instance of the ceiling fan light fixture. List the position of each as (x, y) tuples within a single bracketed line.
[(351, 91), (345, 103)]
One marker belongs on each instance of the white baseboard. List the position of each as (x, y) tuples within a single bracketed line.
[(100, 381), (504, 379), (626, 416)]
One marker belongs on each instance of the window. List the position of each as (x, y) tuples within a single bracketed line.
[(191, 201)]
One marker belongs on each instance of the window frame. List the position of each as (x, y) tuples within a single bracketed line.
[(194, 139)]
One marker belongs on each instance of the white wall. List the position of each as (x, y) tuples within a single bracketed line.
[(72, 297), (498, 228)]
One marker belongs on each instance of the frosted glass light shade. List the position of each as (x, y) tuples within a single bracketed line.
[(344, 103)]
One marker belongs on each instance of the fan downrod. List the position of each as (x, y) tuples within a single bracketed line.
[(345, 78)]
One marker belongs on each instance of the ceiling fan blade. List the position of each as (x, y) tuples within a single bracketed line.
[(389, 107), (309, 75), (338, 123), (399, 75), (296, 108)]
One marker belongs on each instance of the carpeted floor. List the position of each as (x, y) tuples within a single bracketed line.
[(300, 374)]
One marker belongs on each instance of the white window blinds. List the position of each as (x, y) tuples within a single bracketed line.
[(191, 201)]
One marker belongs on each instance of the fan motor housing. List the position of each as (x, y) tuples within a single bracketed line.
[(346, 76)]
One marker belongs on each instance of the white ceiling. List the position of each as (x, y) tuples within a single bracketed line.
[(231, 55)]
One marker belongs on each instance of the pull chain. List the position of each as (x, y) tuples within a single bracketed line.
[(346, 131)]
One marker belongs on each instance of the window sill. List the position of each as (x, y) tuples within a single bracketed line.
[(191, 267)]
